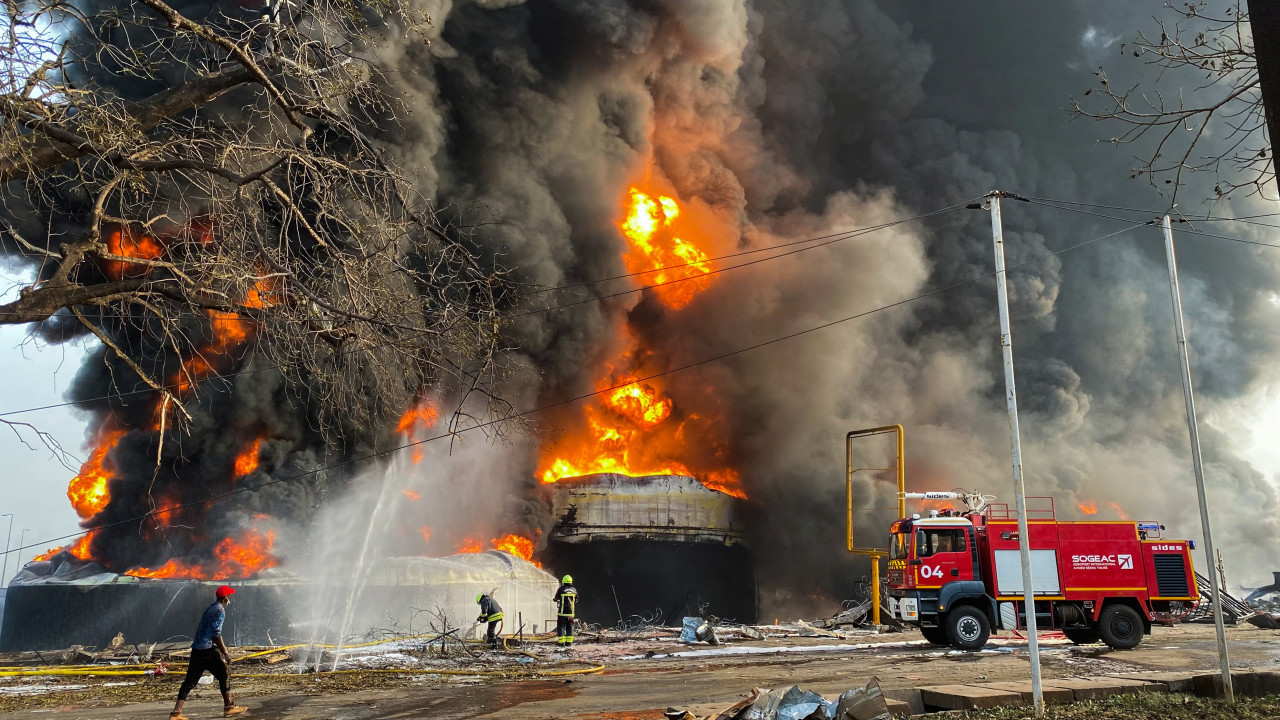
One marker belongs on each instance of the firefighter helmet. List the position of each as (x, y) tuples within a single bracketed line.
[(479, 597), (567, 579)]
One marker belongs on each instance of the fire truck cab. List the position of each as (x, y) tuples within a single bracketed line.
[(957, 575)]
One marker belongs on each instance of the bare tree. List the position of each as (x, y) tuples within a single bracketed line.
[(199, 182), (1214, 126)]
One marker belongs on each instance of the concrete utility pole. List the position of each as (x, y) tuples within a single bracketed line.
[(1015, 441), (1176, 292)]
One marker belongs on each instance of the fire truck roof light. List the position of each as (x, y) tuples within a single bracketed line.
[(915, 516), (1150, 526)]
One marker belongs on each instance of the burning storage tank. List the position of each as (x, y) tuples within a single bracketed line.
[(61, 602), (658, 544)]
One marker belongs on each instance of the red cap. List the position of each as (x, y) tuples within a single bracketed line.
[(226, 590)]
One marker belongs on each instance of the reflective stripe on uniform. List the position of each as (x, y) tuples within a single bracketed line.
[(495, 617)]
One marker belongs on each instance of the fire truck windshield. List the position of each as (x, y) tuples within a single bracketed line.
[(930, 541), (899, 546)]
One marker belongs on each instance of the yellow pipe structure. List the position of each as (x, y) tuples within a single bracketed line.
[(872, 552)]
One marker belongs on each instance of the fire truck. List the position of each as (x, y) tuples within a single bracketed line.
[(957, 574)]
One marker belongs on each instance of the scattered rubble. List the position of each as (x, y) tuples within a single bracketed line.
[(863, 703)]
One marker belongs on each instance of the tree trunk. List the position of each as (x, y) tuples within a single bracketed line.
[(1264, 22)]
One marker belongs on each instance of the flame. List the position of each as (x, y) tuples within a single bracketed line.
[(131, 243), (263, 294), (649, 226), (416, 419), (79, 550), (634, 427), (247, 460), (229, 332), (235, 558), (469, 545), (425, 532), (640, 403), (1089, 508), (88, 491), (1119, 511), (518, 545), (413, 496)]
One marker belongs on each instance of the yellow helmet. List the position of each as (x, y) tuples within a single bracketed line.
[(567, 579), (479, 597)]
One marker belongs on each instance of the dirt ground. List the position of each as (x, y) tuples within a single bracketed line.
[(632, 686)]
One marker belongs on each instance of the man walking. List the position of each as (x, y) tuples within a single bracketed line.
[(491, 613), (208, 652), (566, 601)]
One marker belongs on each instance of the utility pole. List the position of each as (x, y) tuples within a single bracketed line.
[(1176, 292), (5, 572), (1015, 442)]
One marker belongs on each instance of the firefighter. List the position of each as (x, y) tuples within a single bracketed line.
[(566, 601), (490, 612)]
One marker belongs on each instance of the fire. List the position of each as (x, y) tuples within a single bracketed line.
[(131, 243), (235, 558), (229, 331), (469, 545), (640, 403), (79, 550), (1089, 508), (247, 460), (263, 294), (413, 496), (649, 226), (88, 491), (425, 532), (518, 545), (1119, 511), (417, 418)]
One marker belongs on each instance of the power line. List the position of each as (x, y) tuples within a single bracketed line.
[(543, 408), (829, 239)]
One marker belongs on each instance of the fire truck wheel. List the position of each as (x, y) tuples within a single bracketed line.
[(1120, 627), (967, 628), (935, 635), (1087, 636)]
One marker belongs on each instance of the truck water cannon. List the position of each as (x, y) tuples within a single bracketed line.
[(975, 502)]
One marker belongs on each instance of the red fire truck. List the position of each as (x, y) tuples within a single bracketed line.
[(958, 574)]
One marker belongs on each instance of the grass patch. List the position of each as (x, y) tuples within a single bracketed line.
[(1146, 706)]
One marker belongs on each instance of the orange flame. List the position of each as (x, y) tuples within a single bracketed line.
[(263, 294), (469, 545), (229, 332), (518, 545), (649, 226), (79, 550), (416, 419), (88, 491), (1119, 511), (413, 496), (131, 243), (247, 460), (640, 403), (1089, 508), (425, 532), (235, 558)]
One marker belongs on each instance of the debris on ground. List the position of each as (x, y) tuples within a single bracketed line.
[(861, 703)]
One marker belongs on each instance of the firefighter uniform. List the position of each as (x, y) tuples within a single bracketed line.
[(566, 601), (491, 613)]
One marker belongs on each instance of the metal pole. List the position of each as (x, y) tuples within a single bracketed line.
[(1176, 292), (1015, 442), (22, 541), (5, 572)]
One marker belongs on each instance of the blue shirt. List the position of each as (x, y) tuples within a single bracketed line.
[(210, 627)]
